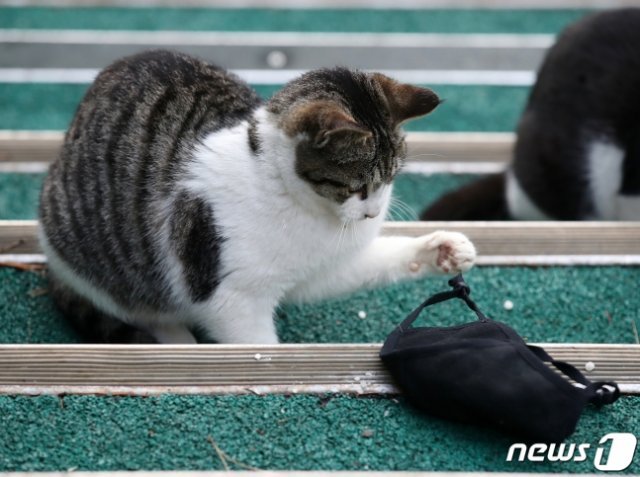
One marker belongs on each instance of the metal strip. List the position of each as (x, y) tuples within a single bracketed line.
[(423, 147), (498, 243), (243, 369), (274, 39), (521, 54)]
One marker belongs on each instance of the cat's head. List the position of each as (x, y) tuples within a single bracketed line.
[(349, 145)]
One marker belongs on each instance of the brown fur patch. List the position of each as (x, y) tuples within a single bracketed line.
[(321, 120), (406, 101)]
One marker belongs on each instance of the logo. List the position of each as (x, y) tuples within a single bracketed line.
[(614, 452)]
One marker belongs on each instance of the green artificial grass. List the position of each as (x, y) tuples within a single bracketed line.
[(40, 106), (551, 304), (303, 20), (267, 432), (19, 195), (413, 192)]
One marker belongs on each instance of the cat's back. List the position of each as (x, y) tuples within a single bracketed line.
[(112, 188), (594, 66)]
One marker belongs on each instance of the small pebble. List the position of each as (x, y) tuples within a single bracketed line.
[(362, 314), (414, 266), (367, 433), (589, 366), (508, 305)]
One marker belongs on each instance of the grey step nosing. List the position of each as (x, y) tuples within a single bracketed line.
[(95, 49)]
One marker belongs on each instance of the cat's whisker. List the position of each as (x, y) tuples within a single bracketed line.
[(354, 226), (396, 213), (410, 214), (354, 232), (404, 210), (341, 235)]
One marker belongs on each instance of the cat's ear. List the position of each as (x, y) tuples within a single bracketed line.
[(337, 125), (405, 100), (326, 121)]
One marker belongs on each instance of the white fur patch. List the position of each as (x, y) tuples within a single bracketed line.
[(605, 178), (520, 205), (605, 162)]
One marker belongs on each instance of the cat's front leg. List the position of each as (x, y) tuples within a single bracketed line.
[(387, 260)]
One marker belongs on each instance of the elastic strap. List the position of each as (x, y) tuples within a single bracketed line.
[(599, 392), (460, 290)]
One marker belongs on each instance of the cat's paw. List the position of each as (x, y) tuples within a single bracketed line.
[(443, 252)]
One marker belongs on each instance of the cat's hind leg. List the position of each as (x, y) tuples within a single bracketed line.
[(94, 325), (238, 315)]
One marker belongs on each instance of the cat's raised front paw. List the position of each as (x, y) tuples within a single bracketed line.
[(443, 252)]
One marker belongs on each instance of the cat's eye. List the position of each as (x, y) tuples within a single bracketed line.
[(363, 191)]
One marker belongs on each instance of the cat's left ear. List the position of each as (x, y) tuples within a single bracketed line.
[(405, 100)]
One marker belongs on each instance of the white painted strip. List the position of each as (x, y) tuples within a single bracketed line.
[(29, 135), (48, 75), (481, 260), (443, 167), (22, 258), (455, 77), (557, 260), (369, 389), (449, 137), (278, 77), (359, 388), (24, 167), (273, 39)]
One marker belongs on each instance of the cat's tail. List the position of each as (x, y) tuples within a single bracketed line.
[(93, 325), (484, 199)]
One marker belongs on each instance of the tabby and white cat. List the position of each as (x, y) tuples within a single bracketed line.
[(577, 154), (180, 202)]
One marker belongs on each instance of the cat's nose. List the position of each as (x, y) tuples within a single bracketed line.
[(371, 215)]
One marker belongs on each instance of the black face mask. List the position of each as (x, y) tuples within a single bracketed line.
[(483, 372)]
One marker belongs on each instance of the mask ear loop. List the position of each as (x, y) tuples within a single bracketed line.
[(598, 393), (460, 290)]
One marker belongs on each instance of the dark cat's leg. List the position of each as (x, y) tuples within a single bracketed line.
[(483, 199), (631, 164), (93, 325)]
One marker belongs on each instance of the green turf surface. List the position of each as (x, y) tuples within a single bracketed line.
[(269, 432), (551, 304), (19, 195), (39, 106), (305, 20)]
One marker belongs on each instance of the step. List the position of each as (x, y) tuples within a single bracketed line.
[(249, 369), (31, 151), (497, 243)]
